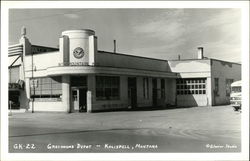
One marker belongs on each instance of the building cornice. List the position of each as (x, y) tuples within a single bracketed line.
[(72, 70)]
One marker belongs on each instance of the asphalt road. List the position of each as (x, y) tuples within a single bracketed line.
[(198, 129)]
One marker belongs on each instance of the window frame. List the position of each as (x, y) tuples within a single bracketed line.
[(109, 86), (44, 87), (191, 86)]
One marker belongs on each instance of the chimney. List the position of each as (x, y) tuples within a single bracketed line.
[(114, 46), (200, 53), (179, 57)]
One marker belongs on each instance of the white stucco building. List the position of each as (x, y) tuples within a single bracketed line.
[(79, 77)]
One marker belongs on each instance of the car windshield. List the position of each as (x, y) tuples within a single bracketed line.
[(236, 89)]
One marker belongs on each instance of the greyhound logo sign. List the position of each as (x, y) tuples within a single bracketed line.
[(78, 52)]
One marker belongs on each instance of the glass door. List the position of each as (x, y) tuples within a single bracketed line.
[(75, 99)]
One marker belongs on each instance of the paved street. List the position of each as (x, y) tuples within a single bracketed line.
[(198, 129)]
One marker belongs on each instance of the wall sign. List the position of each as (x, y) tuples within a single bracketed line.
[(73, 64), (78, 52)]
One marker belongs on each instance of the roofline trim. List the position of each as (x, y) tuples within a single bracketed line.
[(44, 47), (42, 53), (14, 45), (62, 70), (205, 59), (225, 61)]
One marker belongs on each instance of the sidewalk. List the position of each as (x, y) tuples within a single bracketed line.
[(16, 111)]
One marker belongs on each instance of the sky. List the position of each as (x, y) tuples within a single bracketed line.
[(156, 33)]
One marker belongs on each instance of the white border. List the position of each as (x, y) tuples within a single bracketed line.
[(244, 5)]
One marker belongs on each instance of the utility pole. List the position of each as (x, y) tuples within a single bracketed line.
[(33, 84)]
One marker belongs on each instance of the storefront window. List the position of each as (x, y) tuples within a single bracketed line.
[(107, 88), (46, 89)]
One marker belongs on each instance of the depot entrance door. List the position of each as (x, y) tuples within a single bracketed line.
[(132, 92), (78, 94), (79, 100)]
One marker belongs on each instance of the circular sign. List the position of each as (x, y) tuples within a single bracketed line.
[(78, 52)]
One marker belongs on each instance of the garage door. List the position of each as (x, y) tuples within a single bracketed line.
[(191, 92)]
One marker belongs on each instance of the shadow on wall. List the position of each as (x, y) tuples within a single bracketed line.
[(186, 101)]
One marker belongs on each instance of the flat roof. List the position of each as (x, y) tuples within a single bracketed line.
[(225, 61), (133, 55), (205, 59)]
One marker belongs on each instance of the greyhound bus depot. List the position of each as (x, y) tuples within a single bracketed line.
[(79, 77)]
